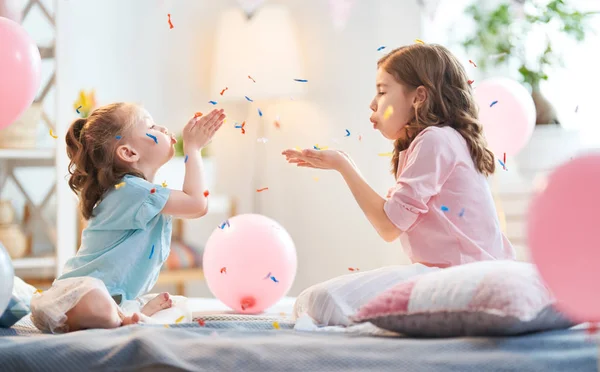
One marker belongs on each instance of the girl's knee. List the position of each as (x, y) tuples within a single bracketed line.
[(96, 309)]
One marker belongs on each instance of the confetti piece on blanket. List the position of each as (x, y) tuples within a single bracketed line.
[(152, 191), (198, 114), (347, 133), (226, 222), (153, 138), (52, 134), (274, 279), (301, 80), (201, 322), (170, 23), (263, 189), (493, 103), (445, 209), (473, 63), (166, 326), (462, 213), (206, 193), (380, 48), (353, 269), (276, 325), (388, 112), (386, 154), (119, 185), (151, 252), (224, 90), (250, 77), (470, 82), (259, 113), (248, 99), (164, 184), (185, 160), (118, 137), (419, 41), (212, 102), (77, 109), (179, 319)]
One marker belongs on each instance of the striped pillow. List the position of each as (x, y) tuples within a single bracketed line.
[(485, 298)]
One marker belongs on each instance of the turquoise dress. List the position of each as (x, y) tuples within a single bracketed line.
[(126, 241)]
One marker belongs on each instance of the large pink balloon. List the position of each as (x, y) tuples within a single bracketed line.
[(508, 123), (250, 264), (563, 236), (20, 71)]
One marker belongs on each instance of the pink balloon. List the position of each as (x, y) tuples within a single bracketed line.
[(508, 123), (563, 236), (250, 264), (20, 71)]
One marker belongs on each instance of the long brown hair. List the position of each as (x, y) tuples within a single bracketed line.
[(91, 145), (449, 100)]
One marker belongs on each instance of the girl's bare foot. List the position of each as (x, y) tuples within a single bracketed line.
[(133, 319), (160, 302)]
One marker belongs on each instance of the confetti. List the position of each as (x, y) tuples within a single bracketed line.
[(301, 80), (223, 270), (212, 102), (170, 24), (317, 147), (118, 137), (445, 209), (226, 222), (502, 164), (166, 326), (263, 189), (164, 184), (268, 275), (388, 112), (316, 178), (353, 269), (493, 103), (248, 99), (419, 41), (180, 319), (470, 82), (262, 139), (206, 193), (504, 158), (298, 148), (462, 213), (386, 154), (277, 122), (198, 114), (275, 280), (250, 77), (201, 322), (242, 127), (153, 137), (77, 109), (119, 185), (38, 291), (53, 135), (276, 325), (473, 63), (223, 91), (380, 48), (259, 113), (185, 160), (347, 133), (151, 252)]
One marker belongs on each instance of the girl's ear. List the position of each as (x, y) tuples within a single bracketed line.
[(420, 95), (127, 154)]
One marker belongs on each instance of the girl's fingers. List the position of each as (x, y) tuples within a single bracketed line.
[(214, 121)]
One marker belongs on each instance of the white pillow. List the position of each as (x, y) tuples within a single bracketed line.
[(333, 302)]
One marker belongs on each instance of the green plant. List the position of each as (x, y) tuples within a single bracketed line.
[(501, 33), (179, 148)]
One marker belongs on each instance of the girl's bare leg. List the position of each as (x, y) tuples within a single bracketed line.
[(97, 309)]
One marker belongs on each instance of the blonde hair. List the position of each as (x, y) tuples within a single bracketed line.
[(91, 145), (449, 100)]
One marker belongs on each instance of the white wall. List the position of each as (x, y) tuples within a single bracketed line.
[(126, 51)]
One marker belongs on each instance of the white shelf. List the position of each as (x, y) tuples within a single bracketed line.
[(44, 154), (34, 263)]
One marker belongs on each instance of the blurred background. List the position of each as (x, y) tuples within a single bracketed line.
[(174, 56)]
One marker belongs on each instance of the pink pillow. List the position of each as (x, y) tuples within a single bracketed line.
[(478, 299)]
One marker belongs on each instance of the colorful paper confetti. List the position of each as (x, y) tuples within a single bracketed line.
[(185, 160), (224, 90), (347, 133), (119, 185), (225, 223), (206, 193), (38, 291), (462, 213), (118, 137), (353, 269), (389, 111), (277, 122), (53, 135), (276, 325), (153, 138), (493, 103), (152, 191), (470, 82), (502, 164), (250, 77), (201, 322), (386, 154), (212, 102), (242, 127), (260, 113), (275, 280), (504, 158), (419, 41), (445, 209), (301, 80), (170, 24), (381, 48), (164, 184), (473, 63), (317, 147), (77, 109), (268, 276), (263, 189), (151, 252), (223, 270), (198, 114), (180, 319), (249, 99)]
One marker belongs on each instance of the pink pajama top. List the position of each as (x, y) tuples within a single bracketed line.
[(443, 205)]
